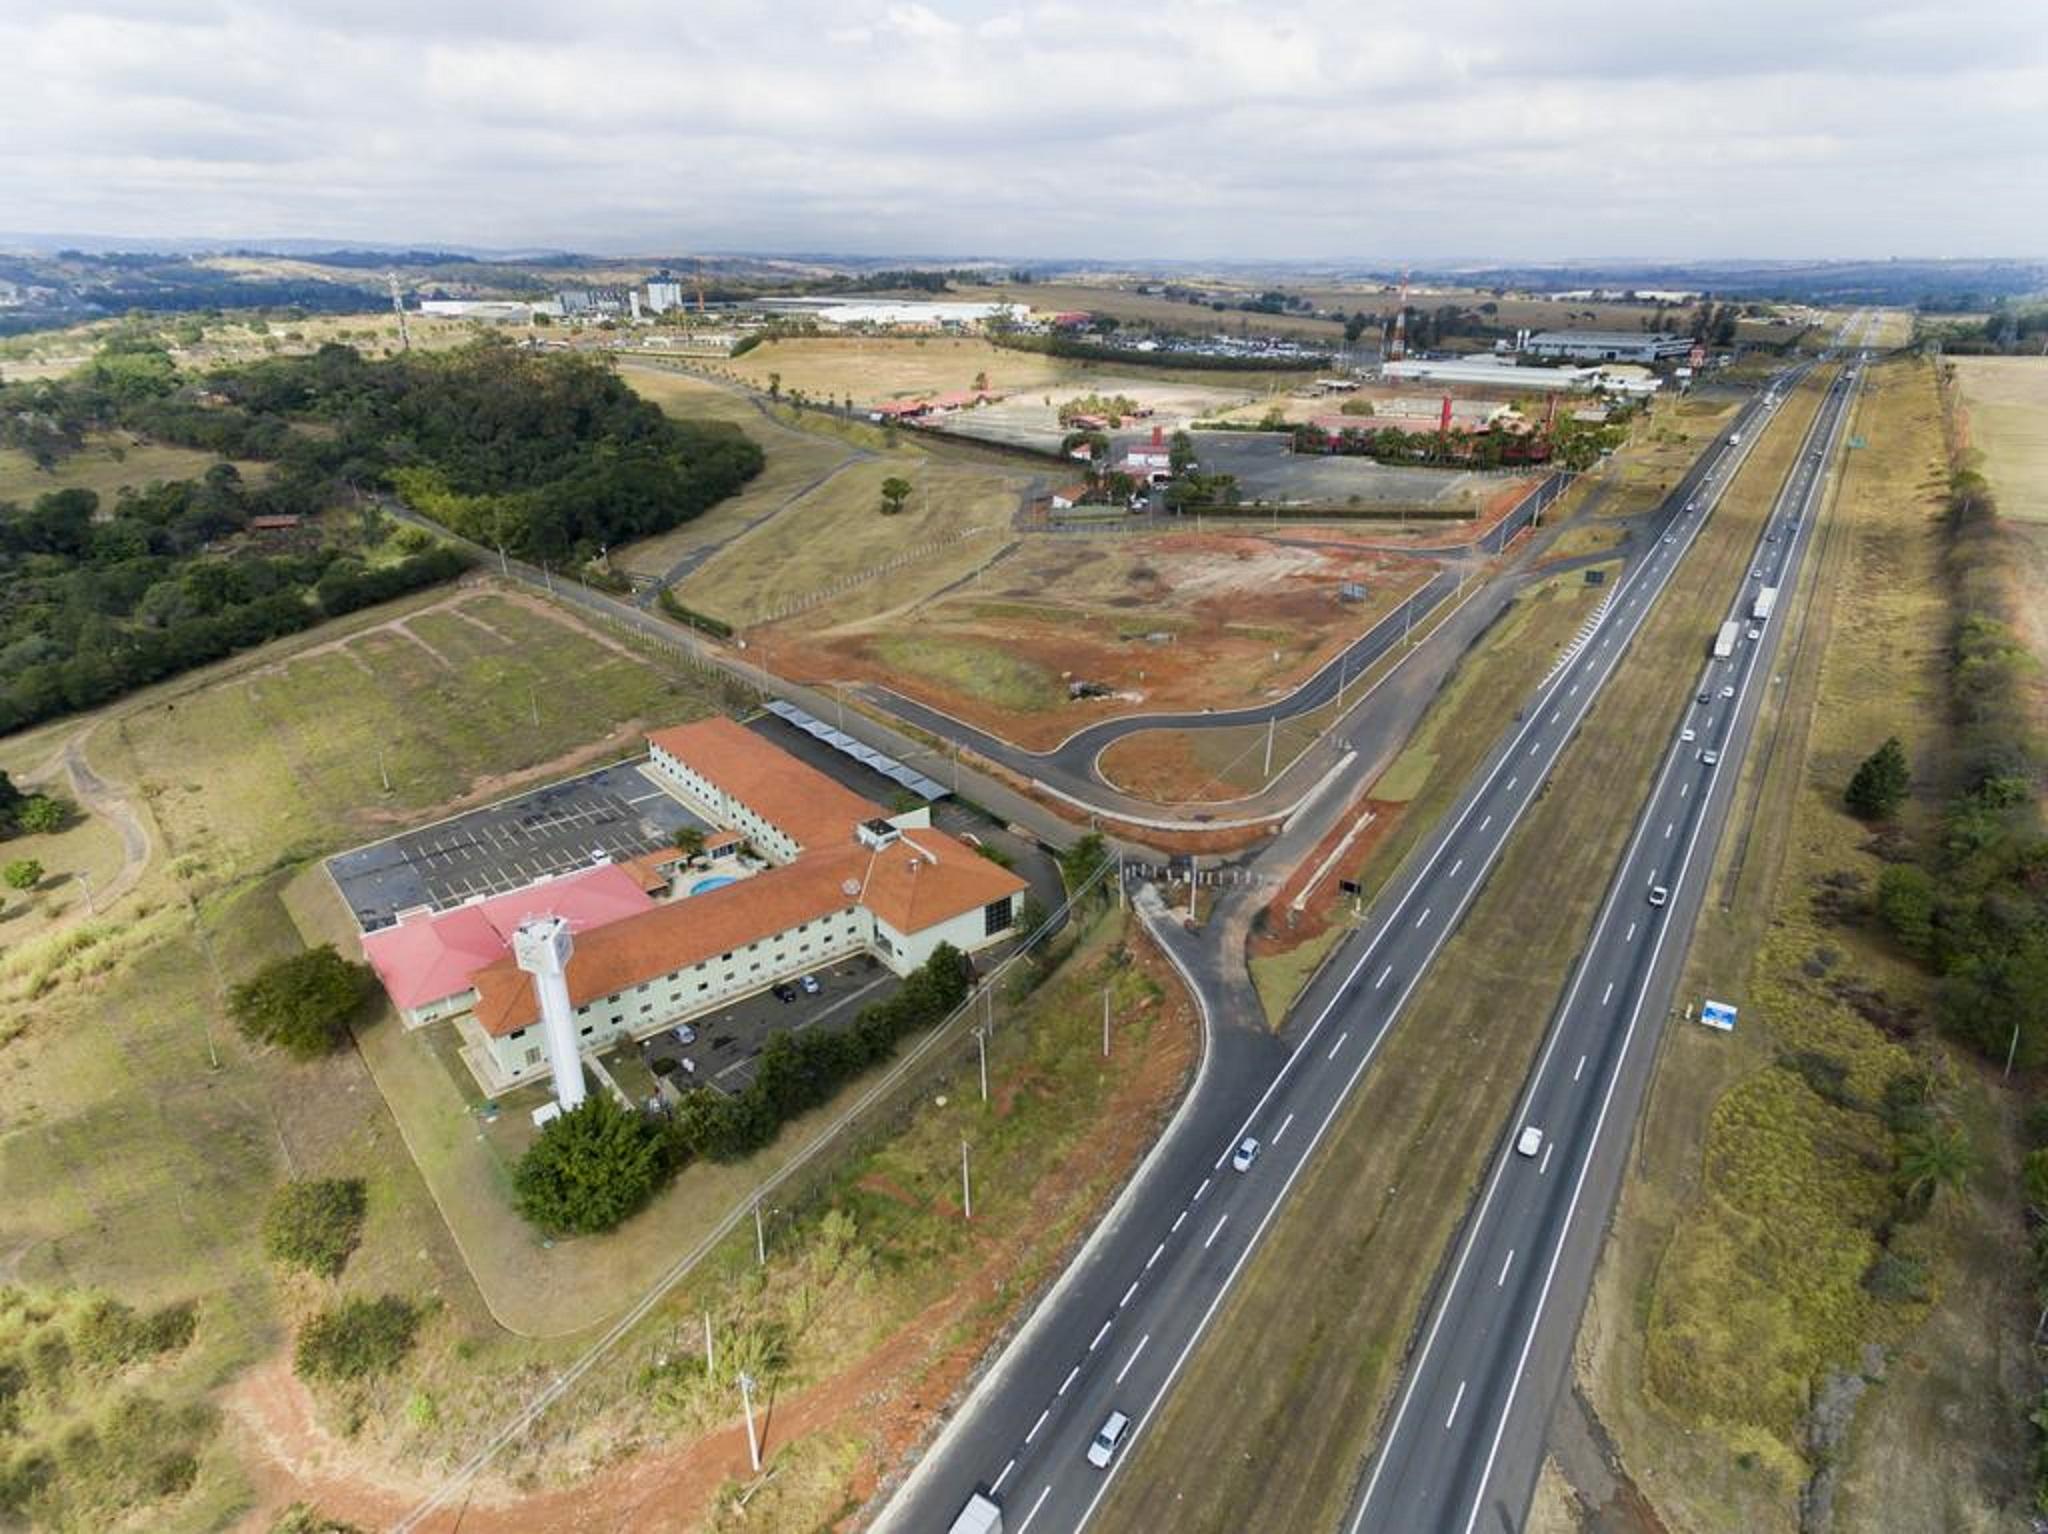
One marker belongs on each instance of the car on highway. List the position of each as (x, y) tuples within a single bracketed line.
[(1659, 894), (1705, 696), (1688, 734), (1246, 1153), (810, 982), (1727, 689), (1710, 756), (1756, 575), (1530, 1141), (1756, 633), (1102, 1449)]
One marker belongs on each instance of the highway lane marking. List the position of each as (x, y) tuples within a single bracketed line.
[(1554, 713), (1631, 933), (1072, 1375), (1544, 1165), (1338, 1045), (1201, 1190), (1669, 827), (1579, 1067), (1571, 690), (1423, 917), (1383, 977), (1607, 994), (1486, 822), (997, 1483), (1283, 1128), (1535, 746), (1034, 1510), (1126, 1369), (1120, 1304), (1508, 790), (1177, 1220), (1684, 789), (1454, 869), (1216, 1232), (1502, 1280), (1038, 1424), (1156, 1251), (1456, 1401)]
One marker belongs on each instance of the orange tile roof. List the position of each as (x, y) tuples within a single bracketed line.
[(923, 878), (787, 793)]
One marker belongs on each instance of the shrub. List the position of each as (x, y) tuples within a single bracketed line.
[(302, 1004), (357, 1339), (43, 813), (591, 1168), (1879, 785), (304, 1518), (111, 1335), (22, 874), (1896, 1278), (314, 1223)]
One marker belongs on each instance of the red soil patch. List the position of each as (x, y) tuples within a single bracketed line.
[(892, 1397), (1281, 928)]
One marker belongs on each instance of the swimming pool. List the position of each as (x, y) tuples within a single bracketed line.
[(716, 881)]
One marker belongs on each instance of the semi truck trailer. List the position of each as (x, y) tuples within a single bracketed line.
[(1724, 642), (1766, 599)]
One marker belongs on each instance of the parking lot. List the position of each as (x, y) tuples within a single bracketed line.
[(1266, 469), (729, 1040), (616, 811)]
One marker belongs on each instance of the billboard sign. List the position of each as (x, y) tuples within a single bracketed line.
[(1718, 1014)]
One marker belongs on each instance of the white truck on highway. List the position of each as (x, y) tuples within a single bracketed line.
[(979, 1516), (1724, 642), (1766, 599)]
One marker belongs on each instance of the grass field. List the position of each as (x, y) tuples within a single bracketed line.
[(2006, 405), (105, 464), (1307, 1350), (1732, 1281)]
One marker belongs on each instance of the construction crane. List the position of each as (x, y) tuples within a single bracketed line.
[(1398, 347), (398, 308)]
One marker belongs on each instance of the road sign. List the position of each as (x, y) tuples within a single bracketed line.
[(1718, 1014)]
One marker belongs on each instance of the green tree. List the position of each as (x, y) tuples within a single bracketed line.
[(1180, 452), (775, 386), (689, 840), (314, 1223), (1880, 784), (1935, 1161), (1080, 861), (22, 874), (591, 1168), (42, 813), (895, 491), (1906, 902), (357, 1339), (302, 1004), (1355, 327)]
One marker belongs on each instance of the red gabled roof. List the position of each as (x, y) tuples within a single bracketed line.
[(789, 794)]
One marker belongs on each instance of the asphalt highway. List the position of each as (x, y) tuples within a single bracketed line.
[(1115, 1331), (1465, 1444)]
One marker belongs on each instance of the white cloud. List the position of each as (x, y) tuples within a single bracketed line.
[(1174, 128)]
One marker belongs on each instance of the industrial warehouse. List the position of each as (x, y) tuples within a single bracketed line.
[(778, 870)]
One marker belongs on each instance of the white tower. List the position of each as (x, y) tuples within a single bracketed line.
[(541, 946)]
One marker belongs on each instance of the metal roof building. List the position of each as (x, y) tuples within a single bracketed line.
[(1608, 345)]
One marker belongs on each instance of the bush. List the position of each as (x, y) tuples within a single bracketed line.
[(357, 1339), (314, 1223), (304, 1518), (302, 1004), (112, 1335), (41, 814), (22, 874), (591, 1168), (1898, 1279), (1880, 784)]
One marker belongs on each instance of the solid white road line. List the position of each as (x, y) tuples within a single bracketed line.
[(1215, 1233), (1456, 1401), (1126, 1369)]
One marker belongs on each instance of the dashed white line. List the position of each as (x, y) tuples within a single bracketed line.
[(1120, 1304), (1554, 713), (1579, 1068), (1038, 1424), (1684, 789), (1338, 1045), (1201, 1190), (1669, 828), (1383, 977), (1283, 1128), (1455, 867), (1486, 822), (1456, 1401), (1631, 937), (1535, 746), (1216, 1232), (1607, 994), (1157, 1252), (1544, 1165), (1423, 917), (1511, 785), (1034, 1510), (1072, 1375), (997, 1483), (1126, 1369), (1502, 1280), (1571, 690)]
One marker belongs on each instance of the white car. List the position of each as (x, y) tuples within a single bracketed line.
[(1659, 894), (810, 985), (1246, 1153), (1710, 756), (1756, 633), (1104, 1446), (1728, 690), (686, 1035), (1688, 735), (1530, 1141)]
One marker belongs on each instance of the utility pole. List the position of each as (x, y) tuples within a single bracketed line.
[(1194, 866), (1272, 720), (981, 1043), (760, 1242), (710, 1354), (966, 1185), (747, 1402), (1105, 1022)]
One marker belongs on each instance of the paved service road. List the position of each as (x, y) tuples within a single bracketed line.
[(1466, 1441), (1114, 1333)]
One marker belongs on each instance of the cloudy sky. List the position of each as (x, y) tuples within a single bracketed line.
[(1175, 128)]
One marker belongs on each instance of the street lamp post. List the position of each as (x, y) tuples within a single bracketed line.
[(747, 1402)]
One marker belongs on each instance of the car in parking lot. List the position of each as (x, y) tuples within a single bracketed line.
[(784, 992), (1530, 1141), (1246, 1153), (810, 985), (1102, 1448), (686, 1034), (1659, 894)]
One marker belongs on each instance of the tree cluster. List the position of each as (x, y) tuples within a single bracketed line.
[(302, 1004), (314, 1223)]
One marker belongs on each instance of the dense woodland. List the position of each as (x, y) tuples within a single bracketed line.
[(548, 457)]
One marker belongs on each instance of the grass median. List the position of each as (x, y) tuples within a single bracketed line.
[(1282, 1402)]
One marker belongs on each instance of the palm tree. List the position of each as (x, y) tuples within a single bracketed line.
[(1936, 1160)]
